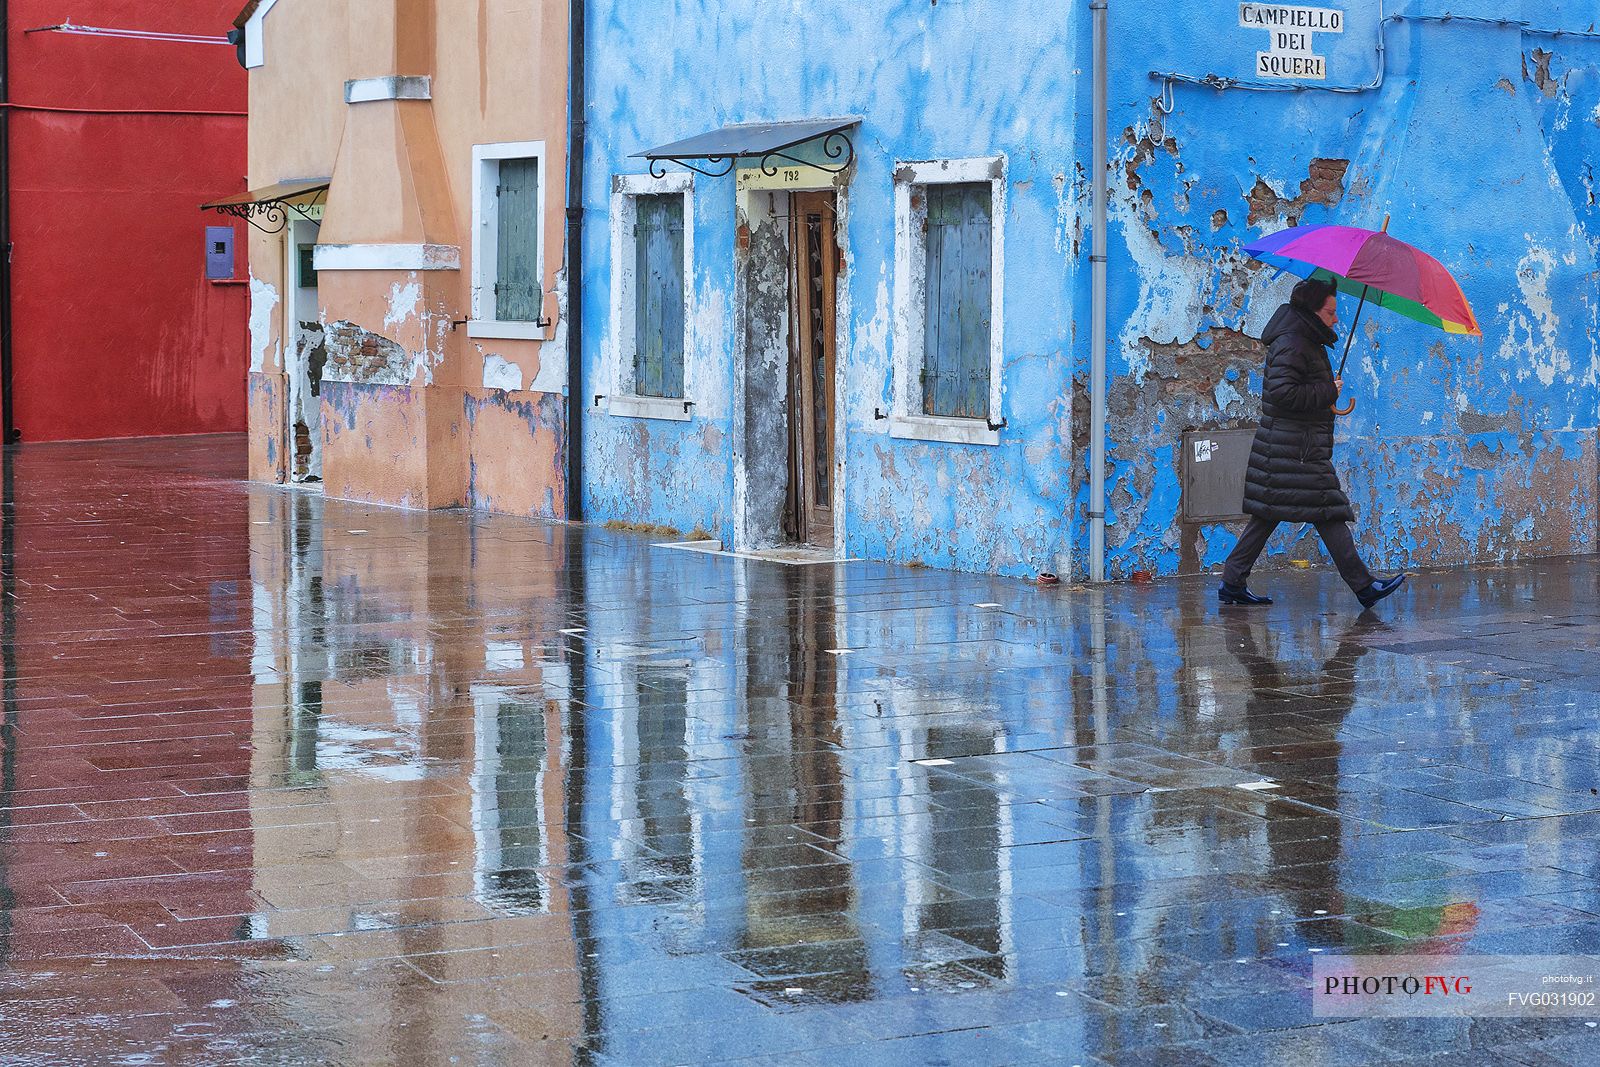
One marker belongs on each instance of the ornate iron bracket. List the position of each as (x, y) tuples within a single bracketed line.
[(836, 146), (275, 213), (657, 170)]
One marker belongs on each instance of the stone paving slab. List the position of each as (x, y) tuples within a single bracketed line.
[(294, 780)]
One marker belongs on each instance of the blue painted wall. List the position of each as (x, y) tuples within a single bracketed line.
[(1479, 145)]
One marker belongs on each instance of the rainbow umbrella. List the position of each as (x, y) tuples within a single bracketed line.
[(1377, 268)]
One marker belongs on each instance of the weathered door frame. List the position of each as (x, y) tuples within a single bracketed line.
[(291, 341), (760, 198), (812, 521)]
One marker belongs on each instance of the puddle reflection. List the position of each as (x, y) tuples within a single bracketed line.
[(460, 786)]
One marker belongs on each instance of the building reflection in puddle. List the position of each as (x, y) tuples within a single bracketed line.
[(499, 779), (800, 892), (516, 789), (705, 792), (409, 776), (741, 816)]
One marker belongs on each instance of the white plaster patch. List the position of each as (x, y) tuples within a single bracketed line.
[(551, 377), (552, 373), (501, 373), (1171, 287), (436, 328), (404, 300), (263, 298), (1171, 292), (1531, 344), (1069, 215)]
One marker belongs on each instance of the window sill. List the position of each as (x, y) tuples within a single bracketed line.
[(649, 407), (512, 331), (949, 431)]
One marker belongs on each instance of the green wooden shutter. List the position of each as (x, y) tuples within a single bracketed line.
[(517, 295), (956, 323), (658, 295)]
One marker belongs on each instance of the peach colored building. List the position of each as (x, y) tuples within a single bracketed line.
[(407, 168)]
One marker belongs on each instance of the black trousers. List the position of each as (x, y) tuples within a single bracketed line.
[(1336, 535)]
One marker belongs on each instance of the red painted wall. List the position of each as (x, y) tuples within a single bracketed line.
[(116, 332)]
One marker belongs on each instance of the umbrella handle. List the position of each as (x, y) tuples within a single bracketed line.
[(1347, 409)]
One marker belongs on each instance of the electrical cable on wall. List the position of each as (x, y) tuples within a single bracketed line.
[(1220, 82), (134, 35)]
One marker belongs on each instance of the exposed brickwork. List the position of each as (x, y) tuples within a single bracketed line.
[(358, 355), (1324, 185)]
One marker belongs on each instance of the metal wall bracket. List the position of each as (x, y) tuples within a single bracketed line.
[(274, 213), (658, 170), (836, 146), (770, 145)]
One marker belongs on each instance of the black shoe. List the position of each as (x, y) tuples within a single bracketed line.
[(1238, 594), (1379, 589)]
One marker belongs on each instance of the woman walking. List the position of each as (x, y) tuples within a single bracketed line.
[(1291, 476)]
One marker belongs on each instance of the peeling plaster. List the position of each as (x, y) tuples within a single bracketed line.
[(501, 373), (552, 374), (1531, 343), (404, 301), (360, 356), (1323, 186), (263, 299)]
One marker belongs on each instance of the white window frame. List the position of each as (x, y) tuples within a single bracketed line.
[(486, 238), (624, 399), (255, 40), (906, 419)]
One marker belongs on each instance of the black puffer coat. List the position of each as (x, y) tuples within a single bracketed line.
[(1291, 476)]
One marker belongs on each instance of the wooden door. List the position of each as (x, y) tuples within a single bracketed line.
[(811, 384)]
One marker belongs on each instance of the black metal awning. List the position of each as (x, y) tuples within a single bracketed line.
[(765, 141), (273, 203)]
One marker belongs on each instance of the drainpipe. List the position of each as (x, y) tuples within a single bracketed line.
[(7, 425), (576, 115), (1097, 357)]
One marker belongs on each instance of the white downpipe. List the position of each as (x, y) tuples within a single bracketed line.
[(1097, 357)]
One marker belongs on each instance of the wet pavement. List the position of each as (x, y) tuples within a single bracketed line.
[(286, 780)]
